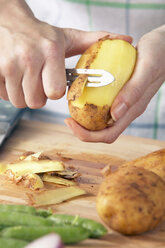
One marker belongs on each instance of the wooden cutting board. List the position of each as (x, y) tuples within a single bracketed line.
[(89, 158)]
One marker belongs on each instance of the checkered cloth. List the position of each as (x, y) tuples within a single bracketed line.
[(132, 17)]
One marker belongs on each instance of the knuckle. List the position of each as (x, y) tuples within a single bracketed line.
[(19, 104), (27, 57), (33, 104), (7, 68), (134, 96), (55, 94), (109, 139), (136, 93), (140, 110), (52, 48)]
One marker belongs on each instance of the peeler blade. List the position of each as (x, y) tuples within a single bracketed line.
[(96, 77)]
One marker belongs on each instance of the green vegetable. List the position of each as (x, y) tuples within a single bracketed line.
[(25, 209), (12, 243), (15, 219), (1, 227), (19, 222), (18, 208), (43, 212), (68, 234), (96, 229)]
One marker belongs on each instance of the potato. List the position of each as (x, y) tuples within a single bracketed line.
[(131, 200), (89, 106), (154, 161)]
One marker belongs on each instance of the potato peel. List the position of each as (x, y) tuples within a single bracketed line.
[(29, 180), (56, 196), (32, 156), (77, 87), (41, 166), (57, 180), (33, 169)]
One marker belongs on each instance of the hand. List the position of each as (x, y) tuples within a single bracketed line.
[(32, 55), (133, 99)]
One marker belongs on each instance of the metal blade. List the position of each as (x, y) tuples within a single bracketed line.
[(96, 77), (2, 137), (9, 117), (3, 131)]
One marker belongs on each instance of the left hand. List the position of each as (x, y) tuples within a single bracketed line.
[(134, 97)]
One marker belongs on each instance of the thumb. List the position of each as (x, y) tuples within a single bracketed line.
[(134, 89), (77, 41)]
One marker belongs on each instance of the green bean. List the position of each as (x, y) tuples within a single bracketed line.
[(25, 209), (18, 208), (15, 219), (69, 234), (96, 229), (12, 243), (43, 212), (1, 227)]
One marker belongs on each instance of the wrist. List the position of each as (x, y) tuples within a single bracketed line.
[(159, 36), (11, 9)]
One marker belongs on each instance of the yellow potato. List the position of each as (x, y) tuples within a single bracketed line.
[(89, 106), (131, 200), (154, 161)]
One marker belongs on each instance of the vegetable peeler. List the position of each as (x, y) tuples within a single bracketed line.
[(96, 77), (10, 116)]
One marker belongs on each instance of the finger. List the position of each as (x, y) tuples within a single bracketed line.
[(136, 110), (33, 88), (53, 73), (133, 89), (3, 92), (84, 134), (13, 77), (15, 92), (77, 41)]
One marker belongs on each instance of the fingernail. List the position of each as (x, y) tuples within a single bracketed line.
[(119, 111)]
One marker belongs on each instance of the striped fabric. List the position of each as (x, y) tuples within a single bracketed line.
[(132, 17)]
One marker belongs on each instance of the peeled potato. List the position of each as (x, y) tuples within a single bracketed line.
[(89, 106), (131, 200)]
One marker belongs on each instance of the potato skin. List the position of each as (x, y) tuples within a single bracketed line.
[(154, 161), (131, 200), (91, 117)]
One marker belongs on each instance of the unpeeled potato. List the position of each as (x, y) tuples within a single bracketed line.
[(131, 200), (89, 106), (154, 161)]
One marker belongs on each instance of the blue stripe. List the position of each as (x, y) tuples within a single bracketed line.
[(146, 126), (47, 113)]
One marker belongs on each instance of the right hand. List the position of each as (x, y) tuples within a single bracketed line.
[(32, 55)]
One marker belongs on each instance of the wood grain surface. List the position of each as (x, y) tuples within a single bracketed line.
[(89, 159)]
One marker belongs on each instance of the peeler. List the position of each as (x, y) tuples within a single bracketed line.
[(96, 77)]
